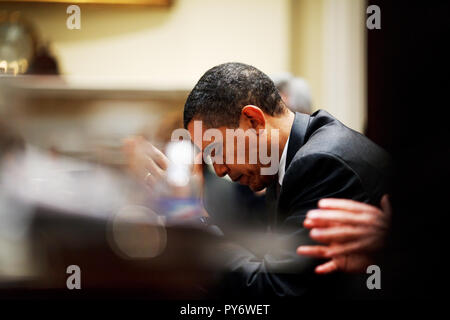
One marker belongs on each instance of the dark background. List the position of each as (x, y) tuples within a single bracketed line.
[(408, 88)]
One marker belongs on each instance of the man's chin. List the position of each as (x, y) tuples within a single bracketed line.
[(256, 187), (260, 183)]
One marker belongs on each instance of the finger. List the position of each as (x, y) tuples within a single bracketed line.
[(340, 234), (346, 204), (135, 142), (313, 251), (128, 148), (386, 205), (131, 149), (313, 223), (344, 217), (159, 157), (147, 150), (152, 180), (327, 267), (354, 263), (127, 144), (154, 170), (308, 223), (354, 247)]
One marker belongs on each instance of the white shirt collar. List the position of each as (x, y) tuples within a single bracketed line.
[(282, 168)]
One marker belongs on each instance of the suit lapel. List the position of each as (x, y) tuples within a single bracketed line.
[(296, 141), (297, 136), (271, 203)]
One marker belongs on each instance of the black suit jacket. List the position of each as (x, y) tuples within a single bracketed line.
[(324, 159)]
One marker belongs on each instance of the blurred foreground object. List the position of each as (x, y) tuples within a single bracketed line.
[(173, 185), (21, 51), (353, 232), (84, 117), (17, 43), (69, 202), (179, 196), (59, 212), (294, 91)]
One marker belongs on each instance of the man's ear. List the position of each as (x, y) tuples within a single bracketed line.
[(254, 116)]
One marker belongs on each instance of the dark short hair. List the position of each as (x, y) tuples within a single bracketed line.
[(219, 96)]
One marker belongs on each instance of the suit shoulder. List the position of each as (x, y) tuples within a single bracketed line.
[(331, 144), (314, 160), (327, 135)]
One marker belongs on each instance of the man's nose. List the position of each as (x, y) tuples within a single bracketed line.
[(220, 169)]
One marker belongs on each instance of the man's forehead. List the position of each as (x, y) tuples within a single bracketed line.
[(198, 136)]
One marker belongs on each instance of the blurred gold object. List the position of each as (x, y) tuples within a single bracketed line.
[(18, 43)]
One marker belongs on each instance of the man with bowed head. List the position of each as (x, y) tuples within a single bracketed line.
[(316, 156)]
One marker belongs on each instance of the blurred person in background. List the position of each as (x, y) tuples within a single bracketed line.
[(294, 91)]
